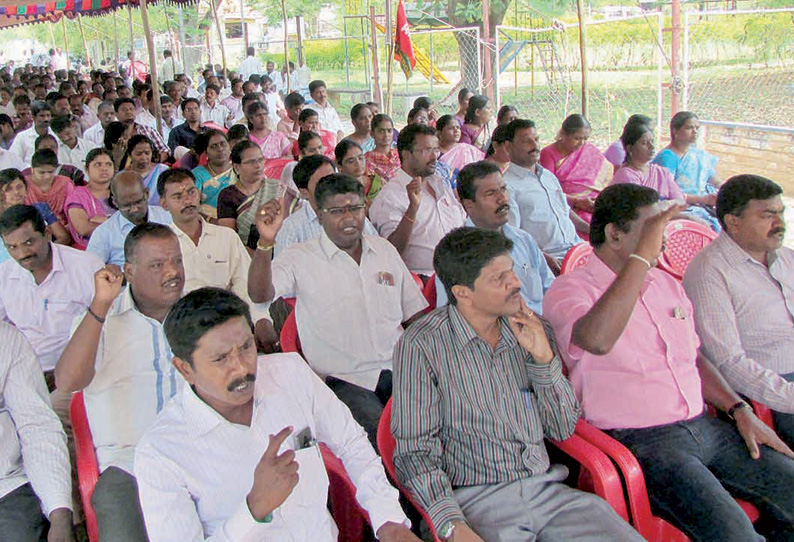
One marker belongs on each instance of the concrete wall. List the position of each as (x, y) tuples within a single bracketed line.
[(762, 150)]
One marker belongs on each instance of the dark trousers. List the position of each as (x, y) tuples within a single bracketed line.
[(21, 519), (366, 406), (694, 468), (784, 423), (118, 509)]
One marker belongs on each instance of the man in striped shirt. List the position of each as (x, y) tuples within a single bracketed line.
[(477, 386)]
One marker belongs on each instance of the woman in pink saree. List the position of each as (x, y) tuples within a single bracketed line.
[(453, 153), (577, 164)]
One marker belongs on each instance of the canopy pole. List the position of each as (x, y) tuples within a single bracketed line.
[(286, 45), (220, 36), (583, 56), (377, 95), (65, 42), (129, 21), (152, 64), (116, 37), (390, 58), (82, 37), (52, 33), (244, 24)]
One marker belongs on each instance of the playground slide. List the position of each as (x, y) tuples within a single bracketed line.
[(422, 61)]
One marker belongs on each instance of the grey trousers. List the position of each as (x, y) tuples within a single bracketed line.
[(21, 519), (543, 509), (118, 510)]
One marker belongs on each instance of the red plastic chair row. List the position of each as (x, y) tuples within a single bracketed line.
[(87, 465), (290, 342)]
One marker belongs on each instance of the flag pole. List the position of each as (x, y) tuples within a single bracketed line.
[(377, 95), (389, 59)]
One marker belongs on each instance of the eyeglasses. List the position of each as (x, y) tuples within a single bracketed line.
[(256, 161), (428, 152), (339, 212)]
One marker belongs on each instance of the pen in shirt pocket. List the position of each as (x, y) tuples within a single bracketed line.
[(527, 395)]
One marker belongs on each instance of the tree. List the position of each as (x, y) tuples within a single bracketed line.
[(271, 9)]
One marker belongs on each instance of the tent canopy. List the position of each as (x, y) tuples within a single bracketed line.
[(18, 12)]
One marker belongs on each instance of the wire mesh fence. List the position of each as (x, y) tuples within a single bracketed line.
[(739, 66)]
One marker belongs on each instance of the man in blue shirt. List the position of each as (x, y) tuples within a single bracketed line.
[(130, 197), (484, 195)]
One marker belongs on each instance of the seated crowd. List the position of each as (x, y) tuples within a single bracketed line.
[(149, 265)]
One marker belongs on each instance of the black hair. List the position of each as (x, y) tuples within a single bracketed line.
[(60, 124), (641, 119), (463, 93), (377, 119), (133, 142), (504, 110), (573, 123), (253, 108), (22, 99), (314, 85), (618, 204), (44, 157), (202, 141), (305, 137), (240, 148), (187, 101), (121, 101), (293, 99), (93, 153), (42, 138), (250, 51), (414, 112), (737, 192), (216, 88), (442, 122), (515, 126), (499, 135), (306, 114), (166, 99), (461, 255), (358, 108), (424, 102), (632, 132), (142, 231), (16, 216), (5, 119), (335, 184), (678, 121), (114, 131), (408, 135), (174, 175), (478, 101), (343, 147), (471, 173), (307, 167), (237, 131), (9, 175), (38, 106), (197, 313)]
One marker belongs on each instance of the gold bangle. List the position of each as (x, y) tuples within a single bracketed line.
[(260, 246), (409, 219), (640, 258)]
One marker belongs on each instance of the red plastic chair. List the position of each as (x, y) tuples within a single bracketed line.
[(351, 519), (418, 280), (683, 240), (598, 474), (290, 342), (764, 413), (87, 465), (653, 528), (429, 291), (577, 256)]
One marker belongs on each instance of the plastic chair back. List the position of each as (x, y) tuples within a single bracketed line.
[(577, 256), (351, 519), (429, 291), (683, 240), (290, 342), (87, 465)]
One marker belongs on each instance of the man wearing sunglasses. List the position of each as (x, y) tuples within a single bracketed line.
[(354, 294)]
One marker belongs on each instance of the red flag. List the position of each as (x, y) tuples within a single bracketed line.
[(403, 50)]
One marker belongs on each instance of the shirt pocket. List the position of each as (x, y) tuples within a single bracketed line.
[(312, 489), (388, 301)]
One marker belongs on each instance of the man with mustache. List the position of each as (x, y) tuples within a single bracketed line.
[(477, 387), (119, 356), (537, 202), (483, 193), (742, 288), (353, 295), (416, 208), (211, 255), (235, 456), (626, 333)]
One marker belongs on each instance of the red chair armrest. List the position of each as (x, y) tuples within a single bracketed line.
[(87, 465)]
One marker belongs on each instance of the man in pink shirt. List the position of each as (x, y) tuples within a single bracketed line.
[(627, 336)]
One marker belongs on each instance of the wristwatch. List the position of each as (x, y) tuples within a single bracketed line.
[(446, 530), (737, 406)]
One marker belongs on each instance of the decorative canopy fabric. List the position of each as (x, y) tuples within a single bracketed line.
[(17, 12)]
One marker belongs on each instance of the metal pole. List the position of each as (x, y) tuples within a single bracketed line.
[(182, 37), (432, 62), (675, 46), (153, 63), (286, 46), (65, 42), (377, 95), (129, 22), (245, 28), (390, 59), (498, 100), (116, 37), (685, 90), (583, 55), (659, 78), (347, 54), (486, 26), (82, 37), (214, 8), (298, 31), (52, 33)]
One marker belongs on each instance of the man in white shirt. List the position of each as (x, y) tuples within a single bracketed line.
[(170, 67), (353, 293), (119, 356), (71, 149), (33, 459), (234, 102), (212, 110), (25, 140), (250, 66), (275, 76), (329, 118), (131, 199), (537, 203), (95, 136), (211, 255), (235, 456), (82, 113), (416, 209), (9, 159)]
